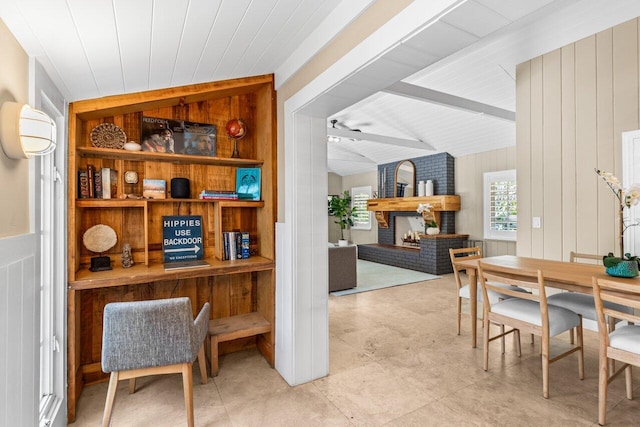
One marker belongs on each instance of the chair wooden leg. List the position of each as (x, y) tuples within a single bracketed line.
[(111, 395), (545, 366), (581, 351), (203, 364), (628, 381), (459, 314), (502, 339), (187, 385), (214, 356), (571, 340), (132, 385), (485, 339), (603, 380), (516, 337)]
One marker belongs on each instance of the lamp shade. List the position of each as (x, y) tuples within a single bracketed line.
[(26, 132)]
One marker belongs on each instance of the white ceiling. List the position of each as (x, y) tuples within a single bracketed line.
[(94, 48)]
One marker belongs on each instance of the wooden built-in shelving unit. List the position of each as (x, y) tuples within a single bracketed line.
[(237, 289)]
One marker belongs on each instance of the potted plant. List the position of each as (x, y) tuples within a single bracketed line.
[(341, 208), (625, 265)]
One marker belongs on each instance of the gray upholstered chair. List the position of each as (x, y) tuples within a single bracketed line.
[(149, 338), (623, 344), (527, 312), (583, 304)]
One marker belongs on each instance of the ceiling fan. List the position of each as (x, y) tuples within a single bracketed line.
[(334, 134)]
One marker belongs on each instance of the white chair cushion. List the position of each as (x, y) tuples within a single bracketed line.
[(626, 337), (560, 319), (582, 304), (493, 295)]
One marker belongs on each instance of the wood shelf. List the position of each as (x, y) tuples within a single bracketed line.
[(140, 203), (406, 204), (140, 273), (144, 156)]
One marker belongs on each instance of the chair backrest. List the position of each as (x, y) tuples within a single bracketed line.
[(612, 291), (576, 257), (142, 334), (490, 276), (463, 253)]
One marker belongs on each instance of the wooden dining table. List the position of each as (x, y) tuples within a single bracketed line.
[(571, 276)]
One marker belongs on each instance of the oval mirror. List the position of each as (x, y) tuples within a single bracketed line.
[(405, 179)]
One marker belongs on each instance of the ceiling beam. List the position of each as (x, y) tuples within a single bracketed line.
[(402, 142), (420, 93)]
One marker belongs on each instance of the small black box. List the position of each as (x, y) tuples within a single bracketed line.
[(180, 188)]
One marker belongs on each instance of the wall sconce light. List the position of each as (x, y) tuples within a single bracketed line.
[(25, 132)]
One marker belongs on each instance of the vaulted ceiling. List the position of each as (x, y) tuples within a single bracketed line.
[(461, 101)]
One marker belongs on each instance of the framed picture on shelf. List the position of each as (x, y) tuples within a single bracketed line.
[(178, 137), (248, 183)]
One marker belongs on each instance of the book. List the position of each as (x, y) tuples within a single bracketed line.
[(154, 189), (245, 245), (97, 184), (109, 183), (91, 171), (248, 183), (83, 184), (185, 264), (238, 245)]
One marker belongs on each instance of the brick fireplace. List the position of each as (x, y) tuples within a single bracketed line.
[(432, 255)]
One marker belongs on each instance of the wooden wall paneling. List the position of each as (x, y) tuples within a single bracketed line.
[(625, 84), (605, 139), (240, 294), (625, 95), (552, 155), (537, 156), (568, 181), (131, 126), (523, 157), (586, 145)]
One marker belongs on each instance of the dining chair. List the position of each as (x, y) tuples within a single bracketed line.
[(580, 303), (622, 344), (463, 291), (527, 312), (154, 337)]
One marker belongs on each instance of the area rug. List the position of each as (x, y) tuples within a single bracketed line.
[(372, 276)]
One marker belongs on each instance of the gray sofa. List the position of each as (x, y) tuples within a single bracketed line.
[(342, 267)]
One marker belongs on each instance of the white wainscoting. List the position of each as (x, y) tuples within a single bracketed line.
[(19, 332)]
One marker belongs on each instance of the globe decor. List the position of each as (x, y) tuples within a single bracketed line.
[(236, 129)]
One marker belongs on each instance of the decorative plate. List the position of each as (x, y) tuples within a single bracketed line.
[(107, 135), (99, 238)]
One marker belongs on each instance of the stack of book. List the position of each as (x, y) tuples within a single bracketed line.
[(97, 184), (218, 195), (236, 245)]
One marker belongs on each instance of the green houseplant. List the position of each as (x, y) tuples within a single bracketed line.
[(340, 207)]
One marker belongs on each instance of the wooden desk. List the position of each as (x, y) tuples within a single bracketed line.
[(570, 276)]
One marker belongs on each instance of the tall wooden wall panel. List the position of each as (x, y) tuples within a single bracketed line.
[(552, 154), (572, 107), (568, 142), (523, 157)]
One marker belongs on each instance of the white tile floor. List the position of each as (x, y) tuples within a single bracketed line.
[(394, 360)]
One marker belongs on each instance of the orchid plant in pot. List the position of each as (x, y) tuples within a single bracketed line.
[(625, 265), (429, 223)]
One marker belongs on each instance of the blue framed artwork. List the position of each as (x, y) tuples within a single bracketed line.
[(248, 183)]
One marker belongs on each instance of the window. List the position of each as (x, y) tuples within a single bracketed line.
[(500, 205), (51, 223), (361, 217)]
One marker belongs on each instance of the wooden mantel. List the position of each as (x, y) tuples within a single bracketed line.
[(439, 203)]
